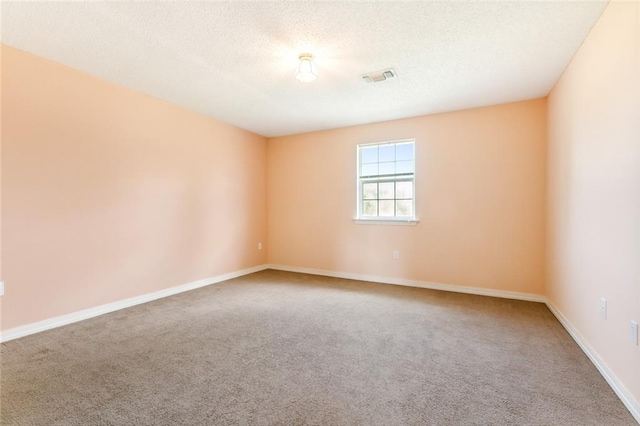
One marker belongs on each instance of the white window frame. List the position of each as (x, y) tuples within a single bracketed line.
[(391, 220)]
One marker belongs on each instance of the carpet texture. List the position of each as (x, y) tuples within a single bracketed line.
[(283, 348)]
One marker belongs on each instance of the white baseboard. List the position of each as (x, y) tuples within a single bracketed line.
[(623, 393), (410, 283), (48, 324)]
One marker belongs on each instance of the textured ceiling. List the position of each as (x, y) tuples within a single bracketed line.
[(235, 60)]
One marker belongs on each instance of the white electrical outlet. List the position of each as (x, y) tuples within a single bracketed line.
[(633, 333), (259, 246), (396, 254), (1, 289), (603, 307)]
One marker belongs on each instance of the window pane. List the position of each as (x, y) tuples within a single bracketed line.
[(369, 170), (404, 190), (369, 154), (404, 151), (404, 167), (370, 191), (370, 208), (403, 207), (387, 168), (387, 153), (386, 190), (386, 208)]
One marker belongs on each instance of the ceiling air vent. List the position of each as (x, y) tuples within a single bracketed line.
[(375, 77)]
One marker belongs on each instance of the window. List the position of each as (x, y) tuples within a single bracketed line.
[(386, 181)]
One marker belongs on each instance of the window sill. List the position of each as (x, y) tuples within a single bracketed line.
[(401, 222)]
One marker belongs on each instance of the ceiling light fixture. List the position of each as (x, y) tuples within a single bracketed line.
[(306, 68)]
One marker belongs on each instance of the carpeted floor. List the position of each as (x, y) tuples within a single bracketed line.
[(283, 348)]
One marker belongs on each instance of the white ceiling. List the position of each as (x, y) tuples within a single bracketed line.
[(235, 60)]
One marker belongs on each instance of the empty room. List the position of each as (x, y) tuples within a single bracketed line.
[(320, 213)]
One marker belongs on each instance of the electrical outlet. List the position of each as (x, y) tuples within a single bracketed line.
[(396, 254), (1, 289), (603, 307), (259, 246), (633, 333)]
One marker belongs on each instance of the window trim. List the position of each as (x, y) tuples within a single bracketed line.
[(385, 220), (401, 222)]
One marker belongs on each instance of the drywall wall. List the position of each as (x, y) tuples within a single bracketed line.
[(110, 194), (1, 298), (480, 199), (594, 190)]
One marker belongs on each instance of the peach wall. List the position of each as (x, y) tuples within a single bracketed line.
[(594, 190), (1, 91), (110, 194), (480, 182)]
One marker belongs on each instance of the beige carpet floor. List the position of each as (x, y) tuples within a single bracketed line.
[(292, 349)]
